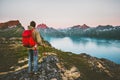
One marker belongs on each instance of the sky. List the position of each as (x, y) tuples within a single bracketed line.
[(61, 13)]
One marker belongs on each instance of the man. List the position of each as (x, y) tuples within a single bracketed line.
[(33, 52)]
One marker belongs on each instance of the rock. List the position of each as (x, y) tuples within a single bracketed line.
[(72, 74), (9, 24), (49, 69)]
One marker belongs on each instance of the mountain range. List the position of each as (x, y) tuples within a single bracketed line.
[(100, 31), (105, 32)]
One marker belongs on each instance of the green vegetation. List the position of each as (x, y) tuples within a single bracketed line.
[(12, 32), (69, 60)]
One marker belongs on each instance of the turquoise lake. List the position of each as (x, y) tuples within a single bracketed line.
[(109, 49)]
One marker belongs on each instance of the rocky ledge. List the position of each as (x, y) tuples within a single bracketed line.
[(67, 66), (50, 68)]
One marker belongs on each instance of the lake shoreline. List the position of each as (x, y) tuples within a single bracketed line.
[(101, 48)]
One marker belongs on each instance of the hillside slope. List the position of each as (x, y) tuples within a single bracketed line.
[(58, 65)]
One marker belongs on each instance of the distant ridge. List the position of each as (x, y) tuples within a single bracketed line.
[(43, 26), (100, 31), (9, 24), (10, 29), (84, 26)]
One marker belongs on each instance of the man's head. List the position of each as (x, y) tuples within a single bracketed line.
[(32, 23)]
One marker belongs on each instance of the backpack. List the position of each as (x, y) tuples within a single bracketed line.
[(27, 39)]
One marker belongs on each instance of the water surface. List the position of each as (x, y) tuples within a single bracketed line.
[(109, 49)]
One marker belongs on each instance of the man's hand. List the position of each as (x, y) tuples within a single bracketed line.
[(35, 46)]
